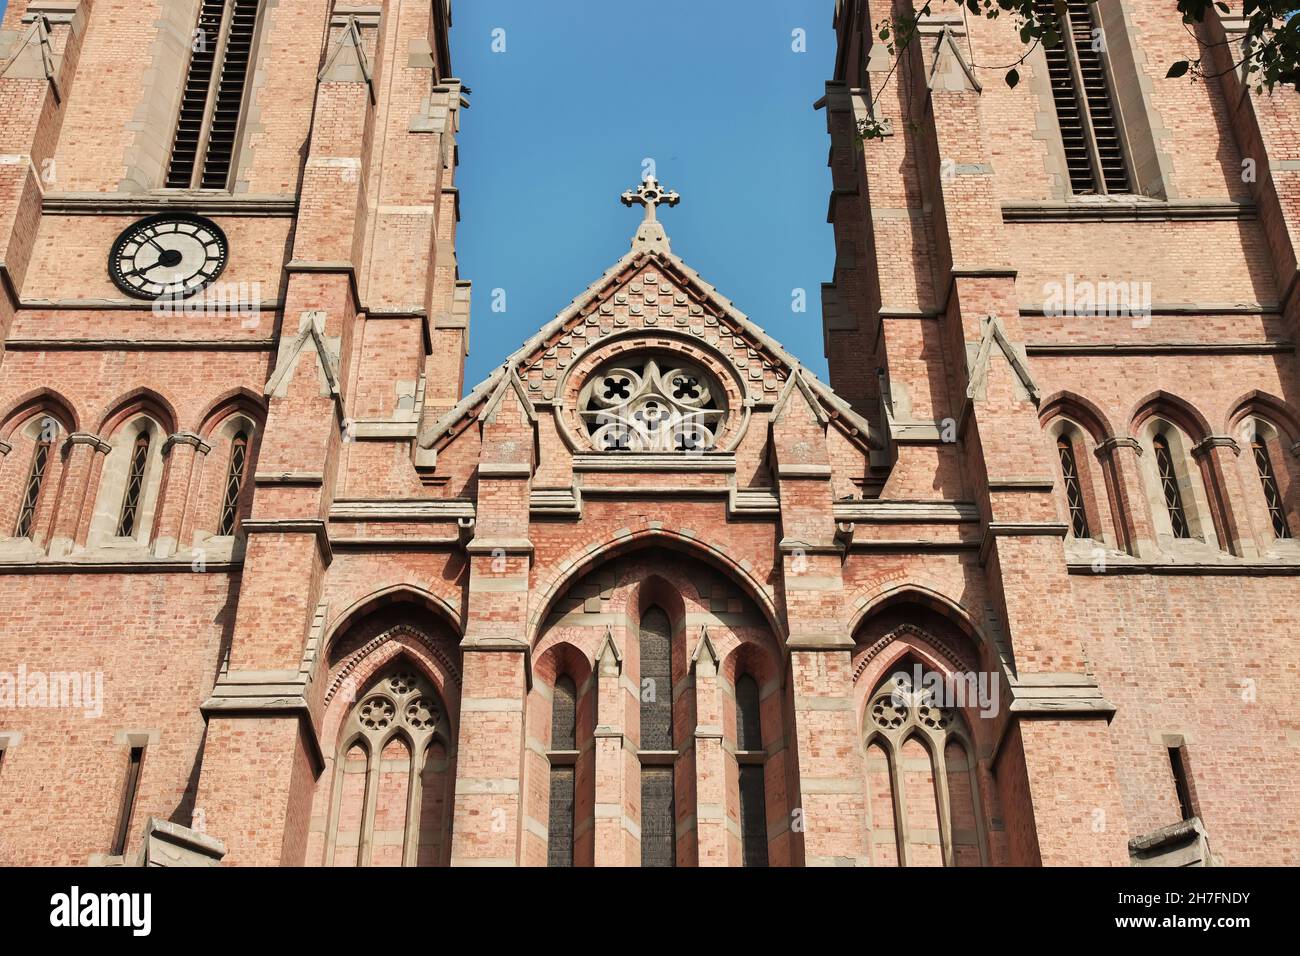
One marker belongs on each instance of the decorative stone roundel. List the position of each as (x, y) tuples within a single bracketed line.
[(887, 714), (652, 404), (422, 713), (936, 718), (377, 713)]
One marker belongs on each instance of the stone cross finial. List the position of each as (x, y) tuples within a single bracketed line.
[(650, 194)]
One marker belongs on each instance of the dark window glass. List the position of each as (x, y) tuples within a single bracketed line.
[(1169, 487), (129, 790), (134, 487), (1181, 784), (564, 734), (234, 484), (753, 816), (32, 490), (1073, 491), (658, 826), (559, 846), (656, 681), (1272, 497), (749, 733)]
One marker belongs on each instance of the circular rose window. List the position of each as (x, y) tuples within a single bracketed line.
[(656, 404)]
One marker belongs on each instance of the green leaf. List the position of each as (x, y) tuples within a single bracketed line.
[(1223, 8), (1178, 69), (1013, 77)]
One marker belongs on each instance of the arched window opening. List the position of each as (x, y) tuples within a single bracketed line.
[(1073, 490), (658, 813), (36, 478), (751, 758), (564, 758), (1272, 496), (656, 681), (130, 511), (389, 797), (1169, 487), (234, 484), (922, 790)]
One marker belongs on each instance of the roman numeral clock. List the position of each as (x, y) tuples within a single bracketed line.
[(171, 255)]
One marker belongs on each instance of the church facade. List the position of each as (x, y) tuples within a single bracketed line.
[(1016, 586)]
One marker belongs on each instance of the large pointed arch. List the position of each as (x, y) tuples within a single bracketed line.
[(574, 567), (1163, 404), (134, 402), (40, 400)]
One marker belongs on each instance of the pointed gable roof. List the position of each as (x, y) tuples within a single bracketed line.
[(650, 289)]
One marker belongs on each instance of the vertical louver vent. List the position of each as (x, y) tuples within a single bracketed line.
[(1076, 68), (213, 98), (229, 99)]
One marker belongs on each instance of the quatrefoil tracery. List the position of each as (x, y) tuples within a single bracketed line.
[(652, 406)]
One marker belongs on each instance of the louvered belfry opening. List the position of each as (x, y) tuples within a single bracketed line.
[(1076, 69), (213, 97)]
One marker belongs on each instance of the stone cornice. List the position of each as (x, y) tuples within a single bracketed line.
[(136, 345), (1162, 348), (183, 565), (906, 512), (138, 204), (1210, 568), (670, 461), (1132, 210)]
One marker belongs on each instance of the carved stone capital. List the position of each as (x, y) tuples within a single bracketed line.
[(85, 438), (1107, 447), (186, 438), (1211, 442)]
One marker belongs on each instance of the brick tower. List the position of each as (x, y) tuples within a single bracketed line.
[(279, 589)]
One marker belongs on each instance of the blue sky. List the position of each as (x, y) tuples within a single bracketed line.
[(561, 121), (584, 92)]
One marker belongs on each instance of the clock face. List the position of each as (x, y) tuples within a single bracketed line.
[(172, 254)]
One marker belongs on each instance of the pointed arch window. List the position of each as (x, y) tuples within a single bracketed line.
[(1272, 496), (1073, 489), (751, 758), (214, 94), (1168, 475), (564, 759), (388, 803), (130, 511), (234, 483), (922, 788), (658, 813), (35, 479)]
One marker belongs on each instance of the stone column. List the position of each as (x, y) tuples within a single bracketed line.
[(489, 764), (716, 847), (829, 822), (262, 755), (184, 452), (1119, 458), (618, 838), (1222, 479), (82, 462)]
